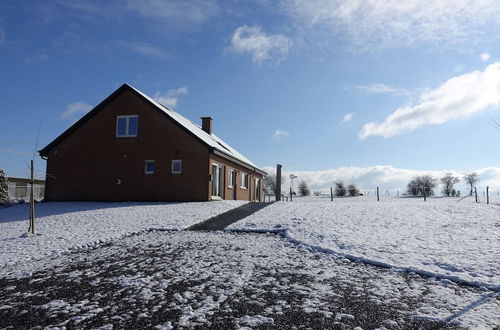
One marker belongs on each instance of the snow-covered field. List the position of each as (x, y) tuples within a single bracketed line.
[(444, 237), (62, 227), (168, 280)]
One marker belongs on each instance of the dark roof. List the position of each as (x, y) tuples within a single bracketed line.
[(211, 141)]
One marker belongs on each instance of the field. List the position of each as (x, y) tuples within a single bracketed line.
[(354, 262)]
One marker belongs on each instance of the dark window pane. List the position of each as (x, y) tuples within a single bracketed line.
[(132, 126), (150, 167), (121, 127)]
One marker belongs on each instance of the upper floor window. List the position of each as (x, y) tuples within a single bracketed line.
[(176, 166), (126, 126)]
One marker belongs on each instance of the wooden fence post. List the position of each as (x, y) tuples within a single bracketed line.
[(378, 197), (425, 197), (475, 193), (487, 194), (291, 198), (31, 229), (331, 194)]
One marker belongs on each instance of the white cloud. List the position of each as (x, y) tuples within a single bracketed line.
[(171, 97), (145, 49), (279, 133), (347, 117), (386, 177), (379, 23), (379, 88), (485, 57), (259, 45), (181, 13), (75, 110), (459, 97)]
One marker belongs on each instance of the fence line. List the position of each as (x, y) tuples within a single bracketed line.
[(18, 192)]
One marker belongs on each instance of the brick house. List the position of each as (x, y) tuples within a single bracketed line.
[(132, 148)]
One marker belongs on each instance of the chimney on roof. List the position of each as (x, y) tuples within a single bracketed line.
[(206, 124)]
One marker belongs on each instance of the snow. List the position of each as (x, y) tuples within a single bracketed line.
[(66, 226), (222, 280), (453, 239)]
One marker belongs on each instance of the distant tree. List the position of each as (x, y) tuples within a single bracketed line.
[(4, 188), (270, 183), (448, 181), (340, 188), (420, 185), (304, 189), (471, 179), (352, 190)]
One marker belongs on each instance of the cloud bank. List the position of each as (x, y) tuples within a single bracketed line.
[(385, 177), (459, 97), (251, 40)]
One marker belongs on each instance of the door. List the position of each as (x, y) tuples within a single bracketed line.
[(232, 177), (217, 181)]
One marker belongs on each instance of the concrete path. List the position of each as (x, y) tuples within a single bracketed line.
[(223, 220)]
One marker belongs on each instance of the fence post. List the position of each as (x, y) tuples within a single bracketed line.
[(425, 197), (487, 194), (278, 183), (378, 197), (475, 193), (331, 194), (291, 198)]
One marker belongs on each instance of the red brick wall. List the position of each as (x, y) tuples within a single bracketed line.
[(241, 194), (88, 163)]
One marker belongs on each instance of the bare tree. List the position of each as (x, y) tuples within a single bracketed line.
[(270, 183), (304, 189), (448, 181), (471, 179), (4, 188), (340, 188), (420, 185), (353, 190)]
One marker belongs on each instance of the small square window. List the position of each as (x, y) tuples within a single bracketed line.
[(149, 167), (127, 126), (176, 166)]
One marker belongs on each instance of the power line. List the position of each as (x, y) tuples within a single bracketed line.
[(15, 152)]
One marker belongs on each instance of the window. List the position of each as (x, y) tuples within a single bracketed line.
[(244, 181), (149, 167), (126, 126), (176, 166), (231, 182)]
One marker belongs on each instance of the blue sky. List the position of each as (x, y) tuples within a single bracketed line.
[(315, 85)]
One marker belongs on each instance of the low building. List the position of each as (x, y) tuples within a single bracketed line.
[(132, 148)]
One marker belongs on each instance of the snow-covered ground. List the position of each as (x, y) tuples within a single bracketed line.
[(62, 227), (454, 239), (169, 280)]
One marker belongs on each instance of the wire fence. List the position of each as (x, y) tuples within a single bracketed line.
[(23, 192)]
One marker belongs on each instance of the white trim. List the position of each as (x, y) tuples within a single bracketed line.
[(127, 128), (146, 162), (176, 161)]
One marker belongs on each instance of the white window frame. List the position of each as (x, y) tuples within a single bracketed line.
[(176, 161), (231, 174), (146, 162), (127, 128), (244, 180)]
